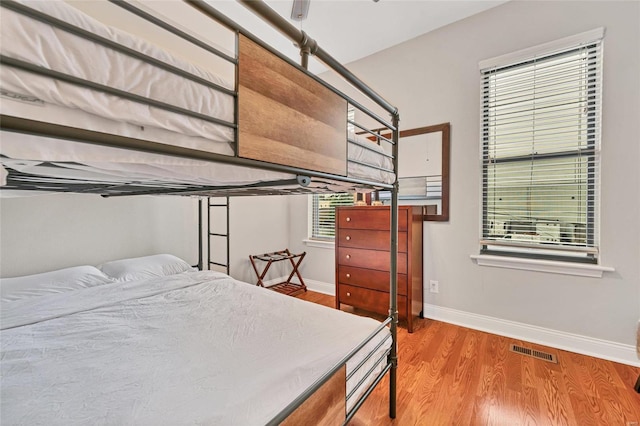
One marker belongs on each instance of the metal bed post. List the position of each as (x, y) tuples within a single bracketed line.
[(393, 299), (228, 238), (200, 265)]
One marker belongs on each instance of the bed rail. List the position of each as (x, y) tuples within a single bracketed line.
[(325, 378), (38, 128)]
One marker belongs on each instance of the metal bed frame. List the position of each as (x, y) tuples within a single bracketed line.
[(307, 46)]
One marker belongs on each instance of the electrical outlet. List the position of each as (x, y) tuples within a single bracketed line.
[(433, 286)]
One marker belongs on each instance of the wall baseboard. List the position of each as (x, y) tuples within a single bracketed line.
[(313, 285), (321, 287), (598, 348)]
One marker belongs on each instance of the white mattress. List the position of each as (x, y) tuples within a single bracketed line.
[(41, 44), (31, 96), (193, 348)]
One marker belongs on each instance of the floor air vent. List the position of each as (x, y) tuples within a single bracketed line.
[(532, 352)]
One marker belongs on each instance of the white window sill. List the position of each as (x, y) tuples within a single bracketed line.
[(552, 266), (319, 244)]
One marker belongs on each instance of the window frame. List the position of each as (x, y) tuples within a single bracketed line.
[(520, 59)]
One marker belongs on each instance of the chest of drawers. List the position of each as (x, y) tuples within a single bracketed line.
[(363, 260)]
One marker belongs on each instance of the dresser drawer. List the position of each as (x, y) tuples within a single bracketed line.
[(370, 239), (370, 259), (368, 278), (371, 300), (362, 252), (369, 218)]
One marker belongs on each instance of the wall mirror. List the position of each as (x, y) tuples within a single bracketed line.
[(423, 169)]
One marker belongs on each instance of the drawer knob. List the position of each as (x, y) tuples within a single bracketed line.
[(348, 219), (348, 294), (348, 256), (348, 238), (348, 275)]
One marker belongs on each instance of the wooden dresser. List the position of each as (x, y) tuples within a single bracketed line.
[(363, 259)]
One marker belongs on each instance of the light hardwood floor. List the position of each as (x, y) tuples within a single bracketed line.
[(450, 375)]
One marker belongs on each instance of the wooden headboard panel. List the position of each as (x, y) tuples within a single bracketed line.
[(286, 117)]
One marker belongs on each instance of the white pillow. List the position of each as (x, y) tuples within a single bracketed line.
[(60, 281), (140, 268)]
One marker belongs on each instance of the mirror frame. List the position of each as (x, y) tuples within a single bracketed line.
[(445, 128)]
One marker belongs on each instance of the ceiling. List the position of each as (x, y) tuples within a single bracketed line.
[(352, 29)]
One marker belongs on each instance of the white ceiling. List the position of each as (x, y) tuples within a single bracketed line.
[(352, 29)]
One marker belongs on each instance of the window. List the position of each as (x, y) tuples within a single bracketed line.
[(540, 151), (324, 214)]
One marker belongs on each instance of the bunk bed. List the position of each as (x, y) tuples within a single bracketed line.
[(91, 109)]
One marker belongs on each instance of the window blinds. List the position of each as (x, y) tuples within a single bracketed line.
[(324, 214), (540, 153)]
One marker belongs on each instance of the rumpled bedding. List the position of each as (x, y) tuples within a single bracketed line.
[(192, 348)]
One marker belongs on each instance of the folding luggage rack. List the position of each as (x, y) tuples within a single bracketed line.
[(284, 287)]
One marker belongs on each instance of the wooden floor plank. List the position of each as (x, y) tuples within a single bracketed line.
[(450, 375), (577, 394)]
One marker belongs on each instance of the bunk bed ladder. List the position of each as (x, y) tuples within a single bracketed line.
[(217, 203)]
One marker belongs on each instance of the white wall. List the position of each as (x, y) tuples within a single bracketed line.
[(44, 233), (258, 225), (435, 79), (48, 232)]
